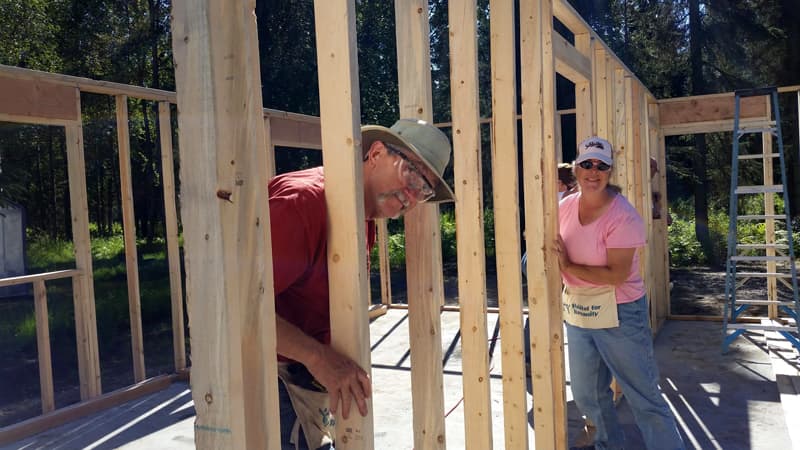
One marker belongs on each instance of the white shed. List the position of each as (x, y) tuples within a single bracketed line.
[(12, 247)]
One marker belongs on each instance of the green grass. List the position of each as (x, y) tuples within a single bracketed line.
[(18, 326), (685, 250)]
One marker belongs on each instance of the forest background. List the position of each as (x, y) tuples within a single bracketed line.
[(675, 47)]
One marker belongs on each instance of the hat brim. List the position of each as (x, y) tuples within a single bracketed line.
[(372, 133), (594, 155)]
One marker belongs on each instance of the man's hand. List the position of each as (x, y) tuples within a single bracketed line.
[(344, 380)]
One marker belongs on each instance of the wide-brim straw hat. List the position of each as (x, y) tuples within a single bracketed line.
[(427, 142)]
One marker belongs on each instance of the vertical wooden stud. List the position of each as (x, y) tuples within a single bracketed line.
[(43, 346), (226, 222), (82, 285), (660, 279), (602, 93), (383, 261), (171, 225), (425, 280), (769, 209), (469, 222), (541, 223), (631, 156), (129, 231), (505, 182), (584, 110), (271, 170), (621, 125), (342, 156)]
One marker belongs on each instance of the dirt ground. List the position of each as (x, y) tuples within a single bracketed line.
[(701, 290), (19, 373)]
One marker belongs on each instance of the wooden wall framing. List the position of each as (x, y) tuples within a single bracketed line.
[(234, 395)]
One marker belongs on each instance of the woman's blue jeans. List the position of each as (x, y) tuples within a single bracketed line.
[(626, 352)]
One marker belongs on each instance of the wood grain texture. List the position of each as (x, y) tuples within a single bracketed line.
[(129, 232), (225, 214), (83, 283), (340, 114), (171, 225), (37, 99), (709, 108), (424, 274), (541, 222), (43, 346), (505, 183), (585, 110), (471, 257)]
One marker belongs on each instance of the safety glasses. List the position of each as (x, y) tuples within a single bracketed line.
[(412, 176), (588, 165)]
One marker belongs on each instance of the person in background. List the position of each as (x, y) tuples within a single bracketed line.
[(403, 166), (566, 181), (605, 308)]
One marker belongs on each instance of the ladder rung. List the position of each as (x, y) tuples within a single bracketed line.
[(763, 217), (761, 246), (776, 188), (765, 302), (760, 156), (754, 326), (760, 258), (743, 131), (763, 275)]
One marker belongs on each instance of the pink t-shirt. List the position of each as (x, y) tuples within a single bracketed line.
[(620, 226)]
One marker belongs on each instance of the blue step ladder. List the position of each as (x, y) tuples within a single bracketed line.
[(785, 262)]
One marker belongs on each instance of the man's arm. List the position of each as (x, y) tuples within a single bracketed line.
[(341, 376)]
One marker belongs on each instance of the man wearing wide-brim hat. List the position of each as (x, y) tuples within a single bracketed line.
[(403, 166)]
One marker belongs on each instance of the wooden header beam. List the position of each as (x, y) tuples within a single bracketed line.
[(709, 114), (709, 108), (37, 98), (88, 85)]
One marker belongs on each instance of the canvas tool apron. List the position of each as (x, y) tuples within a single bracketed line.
[(590, 307), (311, 404)]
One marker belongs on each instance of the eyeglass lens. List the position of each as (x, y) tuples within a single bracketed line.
[(588, 165), (413, 177)]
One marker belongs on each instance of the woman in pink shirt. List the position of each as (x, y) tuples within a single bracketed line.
[(605, 308)]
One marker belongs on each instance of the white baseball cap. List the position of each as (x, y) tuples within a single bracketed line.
[(595, 148)]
